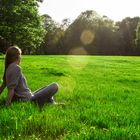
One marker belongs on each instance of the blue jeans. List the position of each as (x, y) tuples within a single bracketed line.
[(45, 94)]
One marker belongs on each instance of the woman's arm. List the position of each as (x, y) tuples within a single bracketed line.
[(2, 87), (9, 96)]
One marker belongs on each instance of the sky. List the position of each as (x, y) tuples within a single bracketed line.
[(114, 9)]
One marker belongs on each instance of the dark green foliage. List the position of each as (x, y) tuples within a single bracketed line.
[(137, 40), (88, 20), (127, 30), (108, 38), (88, 34), (20, 24), (54, 32)]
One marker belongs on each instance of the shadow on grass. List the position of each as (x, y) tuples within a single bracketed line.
[(55, 72)]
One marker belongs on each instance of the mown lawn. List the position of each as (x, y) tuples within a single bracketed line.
[(101, 96)]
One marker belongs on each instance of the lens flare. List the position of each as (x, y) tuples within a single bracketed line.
[(78, 50), (87, 37), (67, 84), (77, 62)]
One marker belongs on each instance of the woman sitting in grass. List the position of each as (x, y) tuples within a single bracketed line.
[(15, 82)]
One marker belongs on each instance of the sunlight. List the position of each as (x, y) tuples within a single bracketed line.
[(67, 84), (87, 37), (78, 50), (77, 62)]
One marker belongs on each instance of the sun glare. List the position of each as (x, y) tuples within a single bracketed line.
[(67, 84), (87, 37), (78, 50), (78, 62)]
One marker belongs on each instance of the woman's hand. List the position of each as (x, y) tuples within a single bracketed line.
[(9, 97)]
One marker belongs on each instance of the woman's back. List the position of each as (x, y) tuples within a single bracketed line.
[(16, 80)]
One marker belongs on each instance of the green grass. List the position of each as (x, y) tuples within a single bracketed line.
[(101, 95)]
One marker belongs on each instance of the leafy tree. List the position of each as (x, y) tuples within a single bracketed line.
[(93, 33), (65, 23), (54, 31), (20, 23), (90, 33), (127, 30), (137, 40), (85, 24), (108, 40)]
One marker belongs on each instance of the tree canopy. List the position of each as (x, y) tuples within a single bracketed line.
[(137, 40), (21, 24), (89, 33)]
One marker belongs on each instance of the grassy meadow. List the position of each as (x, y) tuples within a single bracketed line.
[(101, 96)]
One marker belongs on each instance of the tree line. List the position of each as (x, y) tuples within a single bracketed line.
[(88, 34)]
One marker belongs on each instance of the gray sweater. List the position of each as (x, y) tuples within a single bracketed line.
[(15, 79)]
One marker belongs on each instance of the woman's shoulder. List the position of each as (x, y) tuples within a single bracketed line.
[(13, 67)]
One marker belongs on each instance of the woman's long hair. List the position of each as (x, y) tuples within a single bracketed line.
[(12, 54)]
